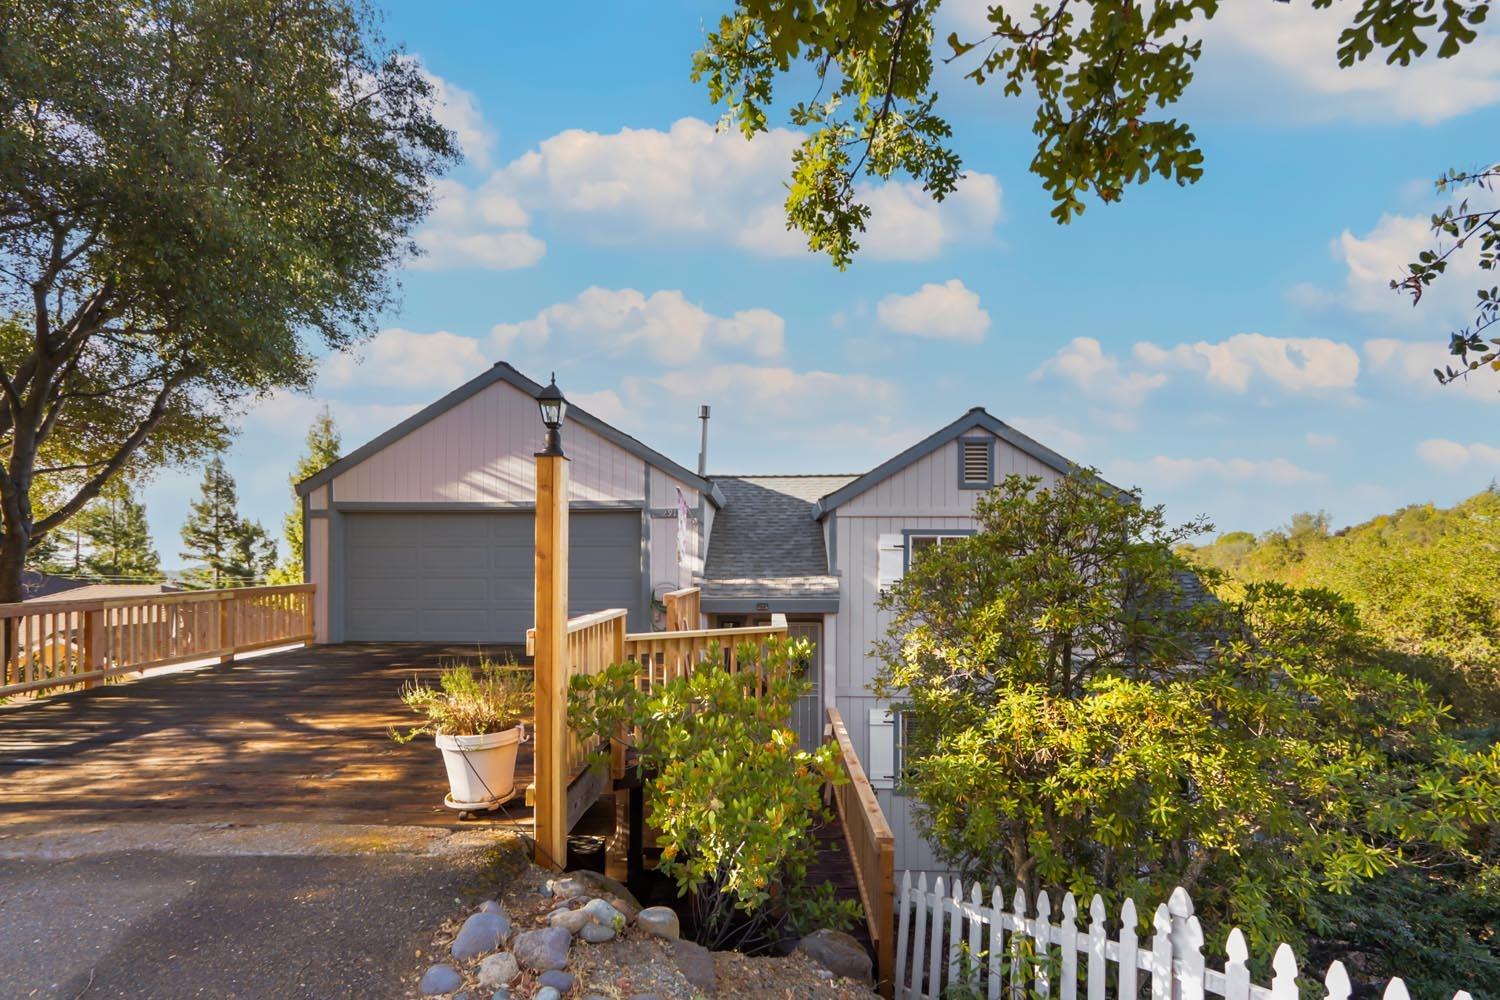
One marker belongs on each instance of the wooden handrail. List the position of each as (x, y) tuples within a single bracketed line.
[(57, 643), (684, 609), (872, 850)]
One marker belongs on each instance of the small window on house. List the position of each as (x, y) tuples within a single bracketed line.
[(918, 545), (976, 463), (903, 725)]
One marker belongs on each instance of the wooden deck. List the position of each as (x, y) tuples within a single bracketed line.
[(285, 737)]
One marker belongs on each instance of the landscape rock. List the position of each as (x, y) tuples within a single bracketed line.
[(695, 962), (547, 993), (440, 979), (500, 995), (587, 883), (493, 906), (542, 949), (626, 906), (661, 921), (499, 969), (559, 980), (481, 933), (839, 953), (603, 913), (571, 921), (597, 933)]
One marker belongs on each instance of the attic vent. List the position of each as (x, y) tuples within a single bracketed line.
[(975, 463)]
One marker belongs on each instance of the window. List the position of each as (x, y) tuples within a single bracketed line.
[(904, 722), (976, 463), (918, 543)]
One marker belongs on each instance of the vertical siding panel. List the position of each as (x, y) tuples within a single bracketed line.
[(480, 452)]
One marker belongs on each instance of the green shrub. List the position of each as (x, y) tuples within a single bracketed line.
[(466, 703), (734, 798)]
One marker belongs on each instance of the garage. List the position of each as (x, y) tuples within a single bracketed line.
[(467, 577)]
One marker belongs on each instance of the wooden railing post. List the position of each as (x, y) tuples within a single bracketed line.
[(550, 660), (616, 656), (225, 606), (91, 651)]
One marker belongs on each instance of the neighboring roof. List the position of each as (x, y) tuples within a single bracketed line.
[(976, 418), (105, 591), (764, 545), (36, 584), (503, 372)]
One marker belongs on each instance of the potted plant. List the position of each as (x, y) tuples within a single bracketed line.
[(475, 715)]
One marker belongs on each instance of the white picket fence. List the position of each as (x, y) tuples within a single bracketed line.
[(951, 943)]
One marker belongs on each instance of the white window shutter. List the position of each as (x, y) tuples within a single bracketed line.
[(890, 564), (882, 769)]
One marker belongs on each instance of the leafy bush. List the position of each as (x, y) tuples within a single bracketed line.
[(734, 798), (1079, 721), (466, 703)]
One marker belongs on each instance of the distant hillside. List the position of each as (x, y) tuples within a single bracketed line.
[(1425, 579)]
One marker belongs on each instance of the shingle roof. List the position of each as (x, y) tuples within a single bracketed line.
[(106, 591), (765, 543)]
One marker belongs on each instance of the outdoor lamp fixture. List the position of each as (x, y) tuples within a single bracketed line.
[(550, 401)]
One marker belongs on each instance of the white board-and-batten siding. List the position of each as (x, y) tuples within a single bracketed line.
[(481, 452), (923, 496)]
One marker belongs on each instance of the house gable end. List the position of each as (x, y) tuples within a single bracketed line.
[(505, 375), (977, 424)]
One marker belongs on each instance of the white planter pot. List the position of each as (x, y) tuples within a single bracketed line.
[(481, 769)]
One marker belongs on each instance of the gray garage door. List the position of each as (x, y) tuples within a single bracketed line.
[(467, 577)]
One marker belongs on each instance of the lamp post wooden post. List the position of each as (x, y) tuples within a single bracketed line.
[(551, 638)]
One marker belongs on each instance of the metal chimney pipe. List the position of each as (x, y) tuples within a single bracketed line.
[(703, 446)]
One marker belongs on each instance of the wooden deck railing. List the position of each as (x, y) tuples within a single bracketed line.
[(872, 850), (594, 642), (665, 656), (684, 609), (46, 644)]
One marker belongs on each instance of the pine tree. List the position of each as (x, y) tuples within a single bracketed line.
[(255, 554), (214, 536), (119, 541), (322, 450)]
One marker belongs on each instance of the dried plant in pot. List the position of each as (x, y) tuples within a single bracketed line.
[(474, 714)]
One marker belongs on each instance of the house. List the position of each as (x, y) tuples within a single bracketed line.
[(426, 534)]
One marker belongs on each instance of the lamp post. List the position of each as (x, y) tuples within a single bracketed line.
[(550, 649)]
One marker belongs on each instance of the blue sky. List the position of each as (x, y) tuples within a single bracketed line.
[(1230, 347)]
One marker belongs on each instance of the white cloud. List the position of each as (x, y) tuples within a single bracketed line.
[(1166, 472), (664, 324), (1292, 364), (458, 110), (1316, 440), (1446, 454), (1296, 364), (1412, 362), (604, 404), (1278, 61), (938, 312), (397, 357), (480, 227), (1051, 432), (1372, 261), (906, 224), (290, 414), (639, 185), (1277, 51), (769, 391), (1084, 363)]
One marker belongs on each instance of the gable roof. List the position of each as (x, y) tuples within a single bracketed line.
[(765, 546), (976, 418), (504, 372)]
